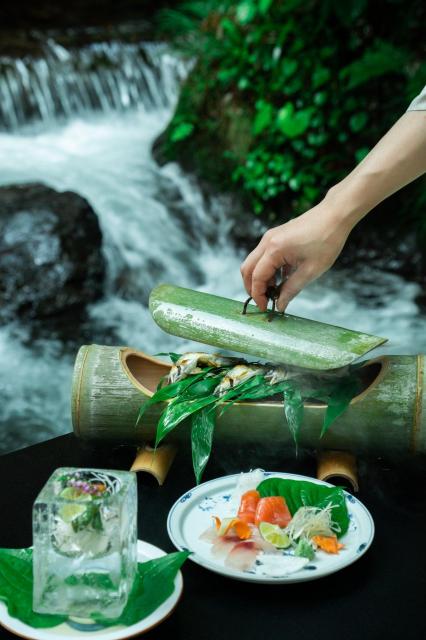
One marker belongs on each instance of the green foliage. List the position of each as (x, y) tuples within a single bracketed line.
[(16, 588), (181, 131), (195, 397), (203, 424), (154, 583), (286, 97)]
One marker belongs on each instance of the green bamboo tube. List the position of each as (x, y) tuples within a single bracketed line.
[(220, 322), (111, 383)]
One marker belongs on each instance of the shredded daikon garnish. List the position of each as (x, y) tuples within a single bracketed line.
[(312, 521), (246, 482)]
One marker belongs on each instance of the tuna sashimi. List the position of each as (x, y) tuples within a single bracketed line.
[(274, 510), (248, 505)]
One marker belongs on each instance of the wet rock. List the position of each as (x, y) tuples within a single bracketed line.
[(50, 253)]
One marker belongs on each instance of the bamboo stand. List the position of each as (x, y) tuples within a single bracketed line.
[(156, 462), (335, 465)]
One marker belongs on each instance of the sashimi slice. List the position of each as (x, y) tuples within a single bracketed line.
[(209, 535), (248, 505), (272, 509), (222, 547), (242, 556)]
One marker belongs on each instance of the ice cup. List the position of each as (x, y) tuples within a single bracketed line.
[(84, 537)]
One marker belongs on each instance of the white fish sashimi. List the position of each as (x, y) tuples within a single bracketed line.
[(223, 547), (242, 556)]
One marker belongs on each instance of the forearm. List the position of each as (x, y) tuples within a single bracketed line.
[(397, 159)]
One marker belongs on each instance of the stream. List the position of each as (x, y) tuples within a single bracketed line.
[(157, 225)]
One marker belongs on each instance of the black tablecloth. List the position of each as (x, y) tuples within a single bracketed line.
[(381, 596)]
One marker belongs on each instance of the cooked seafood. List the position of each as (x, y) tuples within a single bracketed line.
[(188, 363), (237, 375), (278, 373)]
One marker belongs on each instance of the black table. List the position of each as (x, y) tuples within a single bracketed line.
[(380, 596)]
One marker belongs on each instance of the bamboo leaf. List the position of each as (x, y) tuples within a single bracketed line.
[(174, 357), (202, 388), (237, 393), (154, 583), (339, 401), (176, 412), (16, 589), (203, 424), (170, 391), (264, 390), (162, 381)]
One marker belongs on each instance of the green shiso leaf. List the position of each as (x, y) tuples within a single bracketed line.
[(154, 583), (301, 493), (203, 424), (16, 589)]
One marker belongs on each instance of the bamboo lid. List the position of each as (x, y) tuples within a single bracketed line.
[(286, 339)]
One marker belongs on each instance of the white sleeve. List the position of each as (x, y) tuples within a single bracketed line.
[(419, 103)]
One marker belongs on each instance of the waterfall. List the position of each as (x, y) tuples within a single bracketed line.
[(101, 76), (77, 125)]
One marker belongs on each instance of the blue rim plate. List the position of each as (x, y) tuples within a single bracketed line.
[(192, 513)]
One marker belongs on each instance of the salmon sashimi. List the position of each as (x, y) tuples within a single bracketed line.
[(248, 505), (274, 510)]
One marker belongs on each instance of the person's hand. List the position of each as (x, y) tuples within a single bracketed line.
[(305, 247), (299, 250)]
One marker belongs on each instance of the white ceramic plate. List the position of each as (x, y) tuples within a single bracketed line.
[(70, 629), (192, 514)]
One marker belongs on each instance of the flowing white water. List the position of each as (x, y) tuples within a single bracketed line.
[(157, 228), (103, 76)]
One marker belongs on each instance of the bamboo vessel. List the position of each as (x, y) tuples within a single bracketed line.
[(288, 339), (111, 383)]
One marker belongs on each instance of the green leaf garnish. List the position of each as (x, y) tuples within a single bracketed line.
[(203, 424), (154, 583), (188, 397), (16, 589), (302, 493), (339, 401)]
